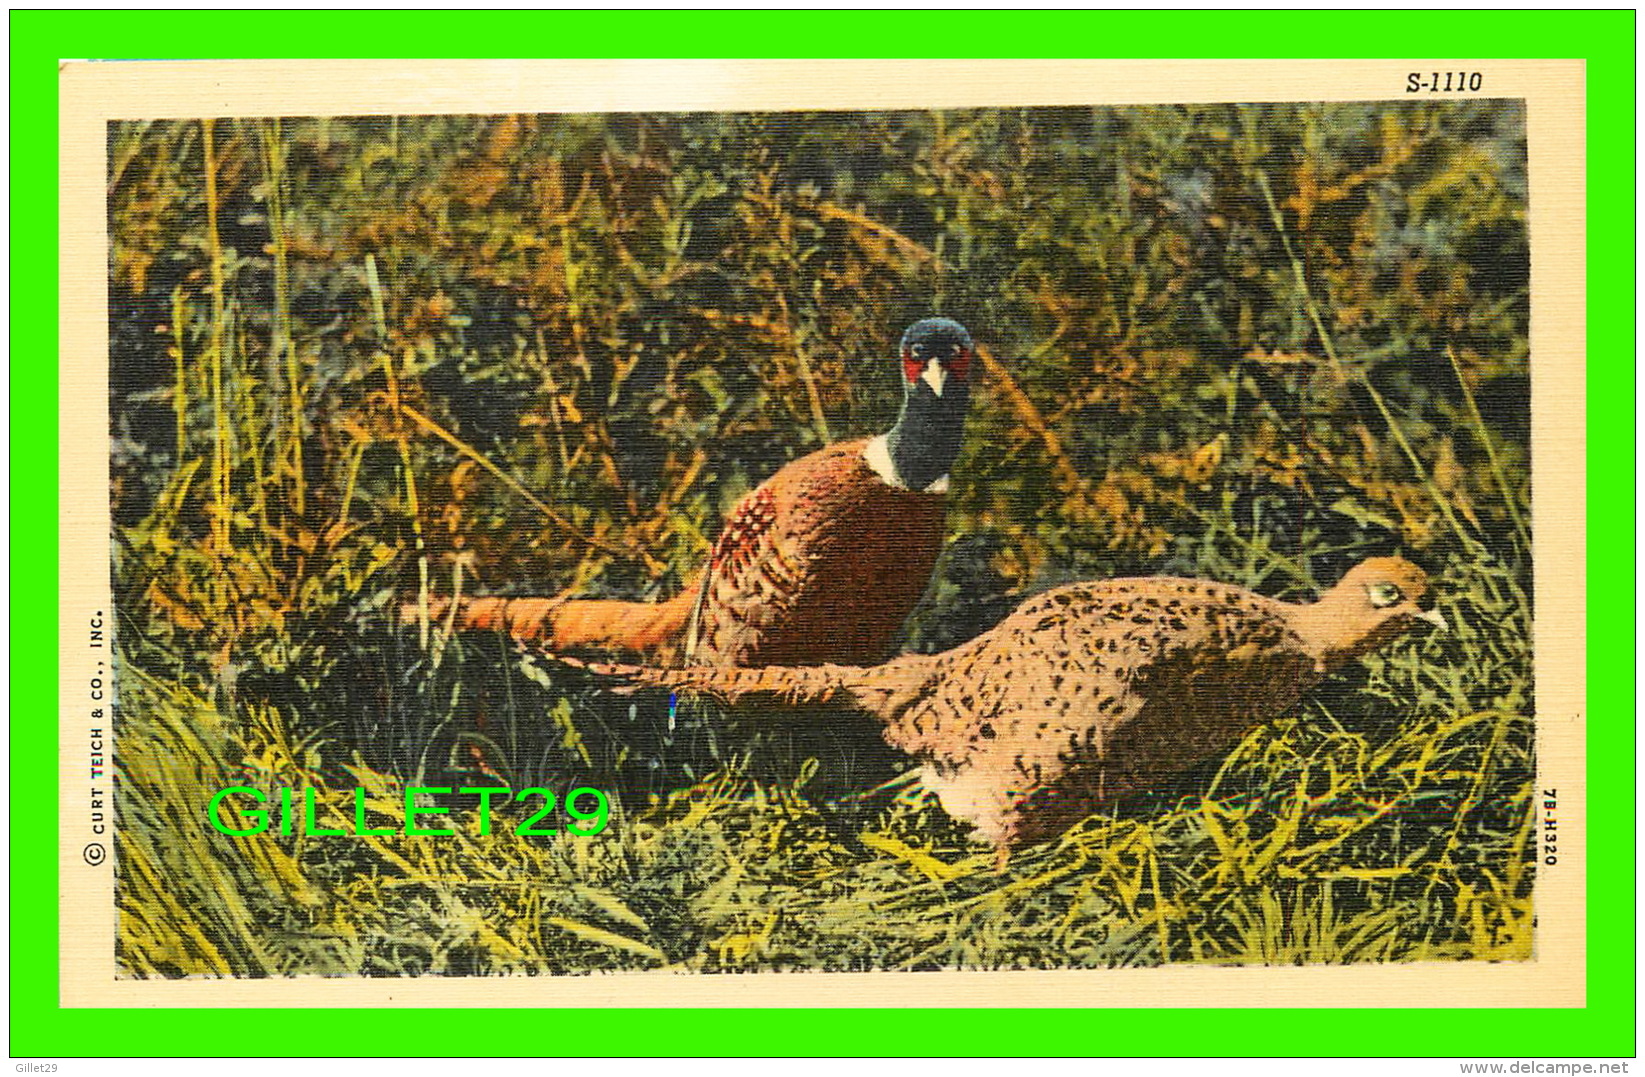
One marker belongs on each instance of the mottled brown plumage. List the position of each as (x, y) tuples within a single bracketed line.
[(1093, 690), (821, 563)]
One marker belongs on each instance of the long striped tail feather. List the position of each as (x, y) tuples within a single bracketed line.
[(650, 631)]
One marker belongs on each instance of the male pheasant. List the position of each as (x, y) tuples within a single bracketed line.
[(820, 563), (1093, 690)]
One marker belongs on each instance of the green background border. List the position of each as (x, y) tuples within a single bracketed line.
[(1605, 39)]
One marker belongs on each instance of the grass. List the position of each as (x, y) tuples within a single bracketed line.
[(1385, 821)]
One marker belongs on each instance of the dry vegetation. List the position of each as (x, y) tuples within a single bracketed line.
[(358, 361)]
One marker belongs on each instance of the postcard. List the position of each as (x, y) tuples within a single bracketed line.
[(1033, 533)]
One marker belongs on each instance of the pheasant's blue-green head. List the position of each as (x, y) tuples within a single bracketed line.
[(937, 353), (936, 372)]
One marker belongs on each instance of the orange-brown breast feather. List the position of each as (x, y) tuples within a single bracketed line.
[(822, 563)]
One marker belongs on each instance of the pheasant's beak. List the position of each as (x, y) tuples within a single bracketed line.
[(935, 376), (1435, 618)]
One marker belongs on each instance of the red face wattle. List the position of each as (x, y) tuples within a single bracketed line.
[(957, 362), (911, 366)]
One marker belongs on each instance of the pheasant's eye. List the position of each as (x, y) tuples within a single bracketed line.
[(916, 350), (1384, 594)]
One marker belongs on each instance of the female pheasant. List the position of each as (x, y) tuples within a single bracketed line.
[(1093, 690), (820, 563)]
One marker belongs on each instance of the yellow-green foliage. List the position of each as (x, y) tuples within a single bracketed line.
[(359, 362), (1311, 844)]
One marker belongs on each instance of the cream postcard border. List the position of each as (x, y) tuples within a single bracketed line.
[(91, 94)]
